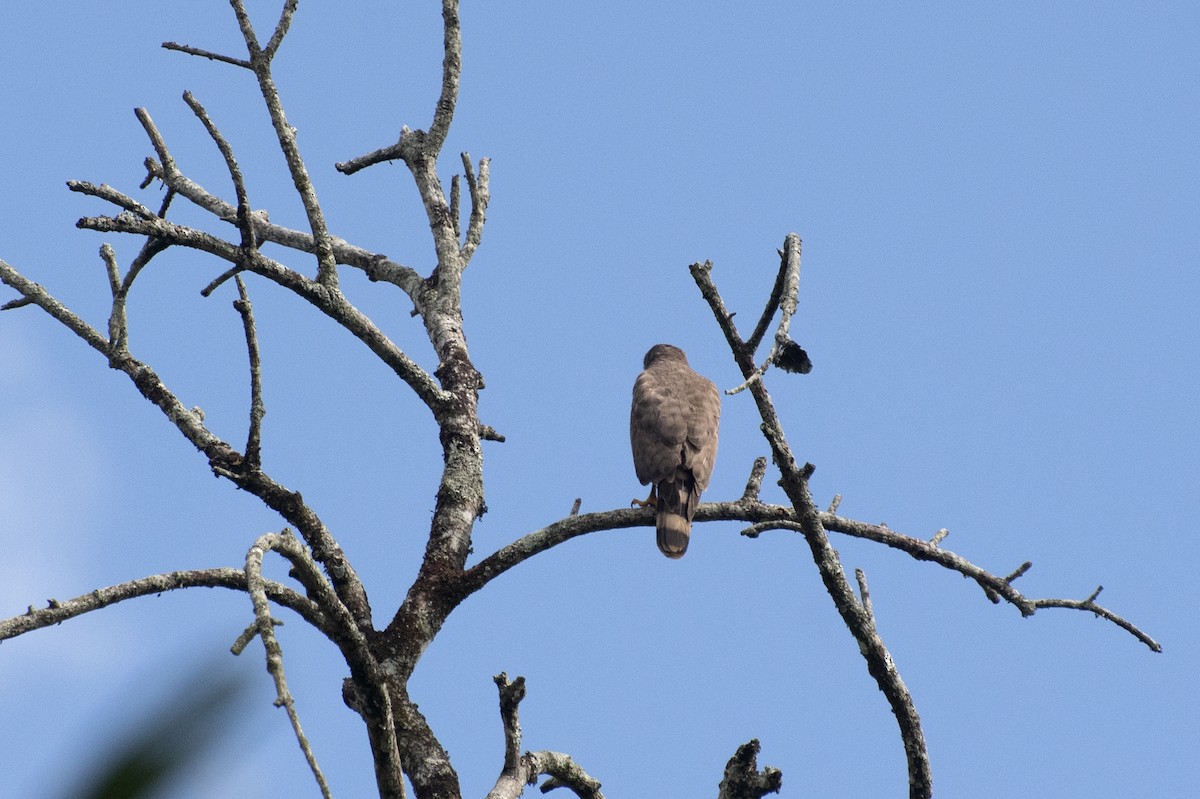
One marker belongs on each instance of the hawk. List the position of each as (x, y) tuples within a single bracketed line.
[(673, 431)]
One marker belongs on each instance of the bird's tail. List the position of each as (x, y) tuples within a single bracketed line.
[(676, 506)]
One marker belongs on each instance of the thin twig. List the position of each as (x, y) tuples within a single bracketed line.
[(1090, 606), (754, 483), (245, 221), (257, 409), (1024, 567), (19, 302), (764, 320), (37, 295), (480, 195), (329, 301), (109, 194), (864, 593), (783, 295), (366, 674), (210, 55), (285, 134), (157, 141)]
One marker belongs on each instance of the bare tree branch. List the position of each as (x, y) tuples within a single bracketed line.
[(763, 517), (381, 661), (257, 409), (1090, 605), (223, 459), (451, 70), (478, 187), (512, 779), (794, 482), (783, 298), (244, 220), (281, 28), (345, 253), (19, 302), (211, 56), (754, 484), (330, 301), (376, 705), (35, 294), (521, 770), (285, 134), (564, 772), (57, 612), (266, 631), (743, 780)]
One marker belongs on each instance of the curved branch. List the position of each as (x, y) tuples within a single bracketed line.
[(563, 771), (368, 677), (550, 536), (763, 517), (265, 627), (57, 612), (1090, 606)]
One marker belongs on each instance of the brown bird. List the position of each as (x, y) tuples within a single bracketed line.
[(673, 430)]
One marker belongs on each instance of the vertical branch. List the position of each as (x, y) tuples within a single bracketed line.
[(257, 409), (443, 113), (455, 202), (480, 194), (513, 775), (118, 325)]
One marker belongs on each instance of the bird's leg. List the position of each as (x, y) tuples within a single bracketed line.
[(650, 501)]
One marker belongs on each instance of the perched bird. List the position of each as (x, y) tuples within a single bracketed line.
[(673, 430)]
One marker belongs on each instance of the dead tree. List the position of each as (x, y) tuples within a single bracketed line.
[(327, 591)]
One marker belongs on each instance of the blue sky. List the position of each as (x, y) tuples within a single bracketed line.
[(999, 204)]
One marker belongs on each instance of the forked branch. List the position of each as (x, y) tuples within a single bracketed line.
[(794, 481), (524, 769)]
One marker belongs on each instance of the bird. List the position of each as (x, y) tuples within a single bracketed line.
[(673, 425)]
